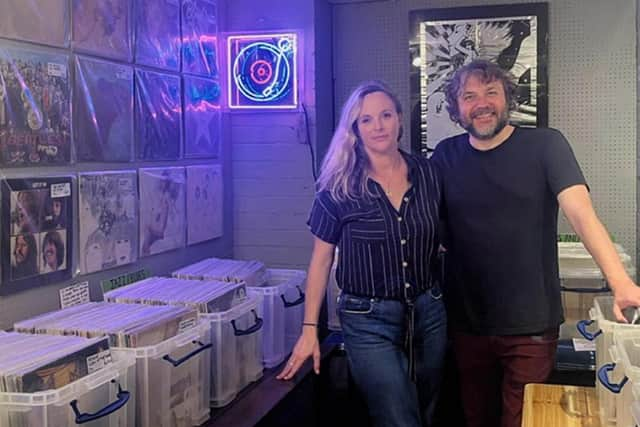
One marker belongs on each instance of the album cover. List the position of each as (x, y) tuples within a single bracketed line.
[(158, 116), (204, 203), (158, 33), (199, 37), (202, 115), (65, 370), (108, 220), (162, 210), (103, 130), (102, 27), (39, 21), (35, 106), (37, 232)]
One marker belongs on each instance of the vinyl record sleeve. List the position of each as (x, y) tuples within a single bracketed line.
[(200, 37), (202, 117), (103, 130), (157, 27), (35, 106), (158, 116), (102, 27), (39, 21), (37, 232), (108, 220), (204, 203), (162, 210)]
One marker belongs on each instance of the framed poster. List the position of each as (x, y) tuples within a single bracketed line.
[(35, 106), (202, 117), (162, 210), (103, 131), (443, 40), (204, 203), (108, 219), (37, 232)]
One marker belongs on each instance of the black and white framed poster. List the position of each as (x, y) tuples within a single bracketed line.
[(443, 40)]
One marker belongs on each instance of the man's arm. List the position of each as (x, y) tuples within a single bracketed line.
[(577, 207)]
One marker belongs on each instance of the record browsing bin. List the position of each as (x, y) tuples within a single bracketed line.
[(283, 310), (103, 398), (606, 333), (236, 355), (173, 379)]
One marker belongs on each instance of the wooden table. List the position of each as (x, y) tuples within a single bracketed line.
[(547, 405)]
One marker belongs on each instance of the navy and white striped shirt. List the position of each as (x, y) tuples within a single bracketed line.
[(384, 252)]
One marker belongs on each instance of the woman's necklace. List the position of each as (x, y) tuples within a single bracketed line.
[(388, 191)]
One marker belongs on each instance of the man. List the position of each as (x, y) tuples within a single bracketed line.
[(502, 186), (25, 260)]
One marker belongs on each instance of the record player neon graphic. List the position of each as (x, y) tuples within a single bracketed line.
[(263, 71)]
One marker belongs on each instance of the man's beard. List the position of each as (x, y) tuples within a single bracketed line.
[(503, 120)]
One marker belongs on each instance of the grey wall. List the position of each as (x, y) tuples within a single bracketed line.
[(592, 83), (271, 159)]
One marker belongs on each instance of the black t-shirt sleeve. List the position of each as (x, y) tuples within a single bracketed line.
[(561, 166), (323, 219)]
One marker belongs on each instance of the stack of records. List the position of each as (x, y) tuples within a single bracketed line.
[(207, 296), (253, 273), (30, 363), (126, 325)]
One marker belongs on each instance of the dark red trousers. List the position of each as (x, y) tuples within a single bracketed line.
[(494, 370)]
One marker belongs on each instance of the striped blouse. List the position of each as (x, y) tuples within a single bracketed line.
[(384, 252)]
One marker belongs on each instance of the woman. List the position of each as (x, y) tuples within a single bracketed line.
[(380, 206)]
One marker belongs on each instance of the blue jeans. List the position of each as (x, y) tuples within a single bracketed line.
[(374, 332)]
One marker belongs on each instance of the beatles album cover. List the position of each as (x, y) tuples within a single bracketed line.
[(103, 130), (204, 203), (35, 106), (199, 37), (102, 27), (37, 232), (158, 116), (108, 219), (162, 209), (202, 115), (39, 21), (157, 30)]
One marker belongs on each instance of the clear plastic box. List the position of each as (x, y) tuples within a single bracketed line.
[(101, 399), (173, 379), (626, 355), (606, 327), (283, 310), (236, 355), (635, 406)]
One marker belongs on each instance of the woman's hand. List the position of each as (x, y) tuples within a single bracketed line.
[(306, 346)]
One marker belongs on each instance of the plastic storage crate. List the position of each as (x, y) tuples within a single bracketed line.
[(283, 312), (625, 354), (101, 399), (173, 379), (635, 406), (236, 355), (606, 328)]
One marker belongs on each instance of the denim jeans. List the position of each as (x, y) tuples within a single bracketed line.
[(374, 332)]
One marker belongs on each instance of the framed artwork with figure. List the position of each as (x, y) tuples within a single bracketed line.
[(443, 40)]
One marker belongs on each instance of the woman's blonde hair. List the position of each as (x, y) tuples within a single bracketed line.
[(345, 167)]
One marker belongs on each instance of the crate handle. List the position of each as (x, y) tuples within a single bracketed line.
[(582, 328), (299, 301), (604, 288), (183, 359), (123, 398), (239, 332), (604, 378)]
